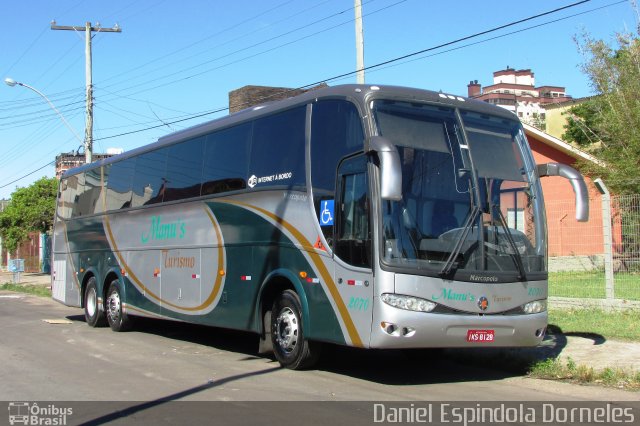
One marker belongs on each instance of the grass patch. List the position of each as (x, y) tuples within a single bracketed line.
[(38, 290), (616, 325), (555, 369), (591, 284)]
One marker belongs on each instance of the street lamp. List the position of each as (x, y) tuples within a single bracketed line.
[(12, 83)]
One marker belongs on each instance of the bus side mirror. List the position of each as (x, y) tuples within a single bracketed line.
[(577, 183), (390, 168)]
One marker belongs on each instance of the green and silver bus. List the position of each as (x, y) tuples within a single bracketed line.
[(375, 217)]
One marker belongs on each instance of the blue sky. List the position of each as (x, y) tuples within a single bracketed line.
[(176, 59)]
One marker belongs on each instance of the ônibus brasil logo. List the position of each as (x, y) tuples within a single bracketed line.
[(27, 413)]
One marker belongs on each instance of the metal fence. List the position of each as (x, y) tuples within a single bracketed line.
[(598, 259)]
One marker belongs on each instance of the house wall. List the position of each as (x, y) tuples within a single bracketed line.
[(568, 237), (28, 250)]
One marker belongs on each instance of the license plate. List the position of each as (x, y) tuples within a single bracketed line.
[(480, 336)]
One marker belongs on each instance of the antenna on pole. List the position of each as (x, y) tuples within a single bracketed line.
[(357, 7)]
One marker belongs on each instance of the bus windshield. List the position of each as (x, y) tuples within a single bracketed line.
[(470, 200)]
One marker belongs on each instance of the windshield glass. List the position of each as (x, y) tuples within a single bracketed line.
[(470, 198)]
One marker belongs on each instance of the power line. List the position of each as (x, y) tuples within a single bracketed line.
[(505, 35), (29, 174), (409, 55), (243, 49), (195, 43), (115, 95), (388, 62)]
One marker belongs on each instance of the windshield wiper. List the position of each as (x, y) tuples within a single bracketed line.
[(468, 224), (516, 254)]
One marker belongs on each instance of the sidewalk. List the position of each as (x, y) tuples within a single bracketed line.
[(591, 350), (26, 278)]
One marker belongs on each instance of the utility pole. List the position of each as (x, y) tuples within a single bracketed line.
[(357, 7), (88, 133)]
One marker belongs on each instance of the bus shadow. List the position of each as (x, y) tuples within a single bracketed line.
[(388, 367), (402, 367), (219, 338)]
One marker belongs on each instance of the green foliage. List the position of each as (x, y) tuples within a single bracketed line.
[(555, 369), (582, 125), (31, 209), (609, 123), (591, 284), (616, 325), (38, 290)]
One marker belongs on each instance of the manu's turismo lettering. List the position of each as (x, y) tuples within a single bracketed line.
[(449, 294), (177, 261), (501, 299), (535, 291), (159, 231)]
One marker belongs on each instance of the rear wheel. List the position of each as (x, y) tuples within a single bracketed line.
[(290, 347), (93, 315), (118, 319)]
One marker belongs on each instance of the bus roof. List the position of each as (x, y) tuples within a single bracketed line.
[(361, 94)]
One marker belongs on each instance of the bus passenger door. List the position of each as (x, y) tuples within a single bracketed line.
[(352, 246)]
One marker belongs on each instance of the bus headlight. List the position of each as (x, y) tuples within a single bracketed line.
[(535, 307), (409, 303)]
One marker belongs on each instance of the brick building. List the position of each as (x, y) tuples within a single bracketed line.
[(66, 161), (248, 96)]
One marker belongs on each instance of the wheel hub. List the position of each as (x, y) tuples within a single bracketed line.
[(91, 302), (113, 306), (287, 330)]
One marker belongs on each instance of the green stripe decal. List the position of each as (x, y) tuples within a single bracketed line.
[(317, 261)]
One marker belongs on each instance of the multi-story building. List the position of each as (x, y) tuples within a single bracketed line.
[(516, 91)]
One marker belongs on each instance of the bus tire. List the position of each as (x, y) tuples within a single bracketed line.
[(117, 318), (290, 347), (93, 315)]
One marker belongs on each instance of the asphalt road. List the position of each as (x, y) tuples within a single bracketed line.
[(167, 361)]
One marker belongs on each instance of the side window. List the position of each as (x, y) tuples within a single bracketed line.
[(120, 178), (149, 181), (277, 150), (79, 205), (67, 196), (336, 132), (184, 170), (353, 236), (226, 156), (93, 191)]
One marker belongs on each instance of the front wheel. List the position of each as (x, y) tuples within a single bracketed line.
[(117, 318), (290, 347)]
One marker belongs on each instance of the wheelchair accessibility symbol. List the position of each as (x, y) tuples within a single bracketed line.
[(326, 212)]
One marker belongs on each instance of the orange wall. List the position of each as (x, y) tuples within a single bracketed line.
[(566, 235)]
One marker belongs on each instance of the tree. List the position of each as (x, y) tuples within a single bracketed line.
[(31, 209), (609, 123), (582, 125)]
